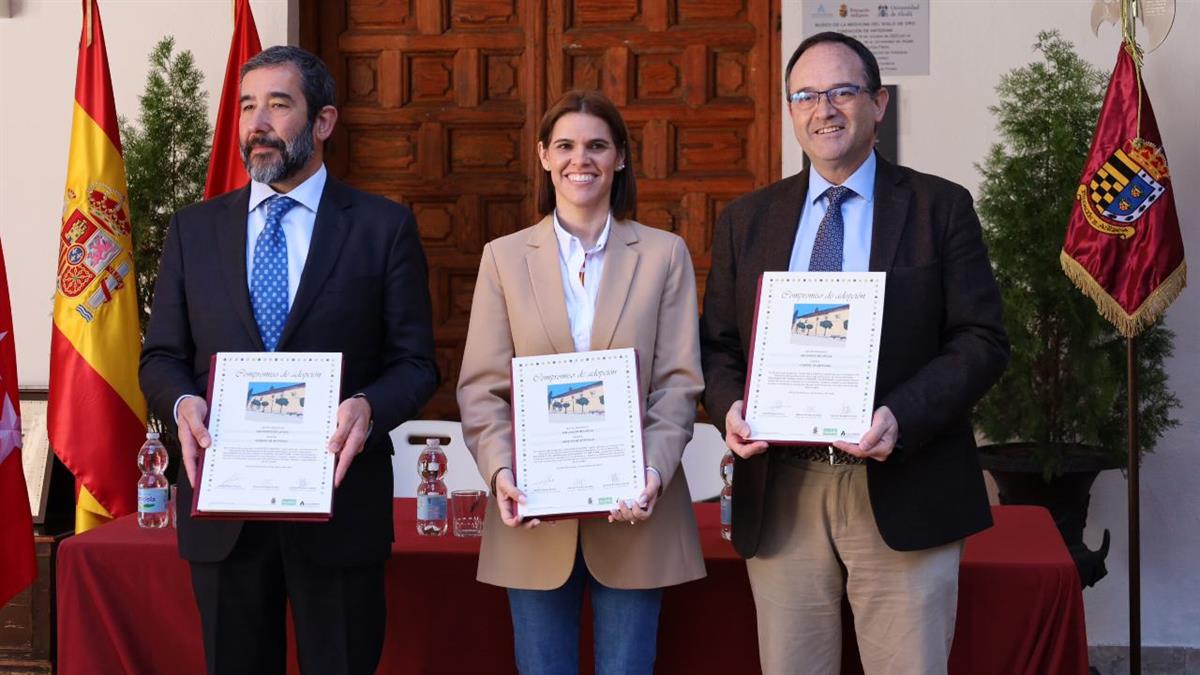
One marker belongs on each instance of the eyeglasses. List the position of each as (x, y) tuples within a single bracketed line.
[(838, 97)]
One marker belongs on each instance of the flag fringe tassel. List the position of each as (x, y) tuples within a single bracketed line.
[(1128, 325)]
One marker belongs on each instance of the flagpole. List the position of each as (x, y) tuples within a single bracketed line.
[(1129, 15), (1135, 572), (1133, 279)]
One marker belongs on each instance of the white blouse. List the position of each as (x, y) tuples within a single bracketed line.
[(581, 272)]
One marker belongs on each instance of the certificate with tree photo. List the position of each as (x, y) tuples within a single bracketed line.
[(813, 360), (270, 417), (577, 432)]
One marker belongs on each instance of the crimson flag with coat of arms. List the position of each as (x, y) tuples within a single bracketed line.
[(1123, 247)]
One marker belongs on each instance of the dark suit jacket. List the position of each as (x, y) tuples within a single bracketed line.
[(943, 345), (364, 293)]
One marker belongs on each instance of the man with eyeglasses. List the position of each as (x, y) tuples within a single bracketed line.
[(881, 521)]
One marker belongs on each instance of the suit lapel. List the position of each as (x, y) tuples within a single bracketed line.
[(329, 233), (620, 262), (890, 214), (231, 241), (545, 278), (783, 223)]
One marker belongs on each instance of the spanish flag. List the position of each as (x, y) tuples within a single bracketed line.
[(1123, 247), (97, 415)]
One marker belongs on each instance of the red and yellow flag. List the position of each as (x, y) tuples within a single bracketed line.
[(1123, 247), (226, 171), (96, 415)]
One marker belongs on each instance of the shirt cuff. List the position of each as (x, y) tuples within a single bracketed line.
[(660, 479), (370, 422), (175, 409)]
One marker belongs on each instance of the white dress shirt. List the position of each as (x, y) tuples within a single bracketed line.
[(580, 293), (857, 219), (297, 224)]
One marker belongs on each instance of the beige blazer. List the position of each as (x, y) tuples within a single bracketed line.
[(647, 301)]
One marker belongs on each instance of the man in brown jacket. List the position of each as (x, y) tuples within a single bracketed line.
[(881, 521)]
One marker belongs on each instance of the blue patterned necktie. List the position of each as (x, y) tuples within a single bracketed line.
[(269, 281), (827, 249)]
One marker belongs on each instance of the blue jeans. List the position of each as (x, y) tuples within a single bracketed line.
[(546, 626)]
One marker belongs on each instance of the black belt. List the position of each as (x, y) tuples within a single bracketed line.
[(826, 453)]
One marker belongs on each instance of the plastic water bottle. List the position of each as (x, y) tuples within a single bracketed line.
[(432, 520), (152, 486), (727, 496)]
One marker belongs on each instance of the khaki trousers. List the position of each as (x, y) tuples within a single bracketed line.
[(819, 540)]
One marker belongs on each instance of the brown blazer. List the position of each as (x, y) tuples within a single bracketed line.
[(943, 346), (647, 301)]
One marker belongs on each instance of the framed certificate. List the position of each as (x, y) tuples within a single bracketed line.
[(814, 356), (270, 417), (577, 432)]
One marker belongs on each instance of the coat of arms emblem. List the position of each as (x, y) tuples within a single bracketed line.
[(1124, 188), (91, 250)]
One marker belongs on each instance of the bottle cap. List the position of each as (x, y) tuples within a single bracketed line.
[(152, 435), (433, 441)]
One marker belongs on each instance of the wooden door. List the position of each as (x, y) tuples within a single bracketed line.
[(439, 103)]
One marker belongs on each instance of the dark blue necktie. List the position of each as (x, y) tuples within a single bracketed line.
[(269, 280), (827, 249)]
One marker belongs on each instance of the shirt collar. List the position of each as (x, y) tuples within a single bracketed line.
[(565, 238), (307, 193), (862, 181)]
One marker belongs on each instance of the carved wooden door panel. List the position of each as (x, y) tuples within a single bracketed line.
[(439, 102), (693, 79), (435, 98)]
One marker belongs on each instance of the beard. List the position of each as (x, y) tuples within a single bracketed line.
[(292, 157)]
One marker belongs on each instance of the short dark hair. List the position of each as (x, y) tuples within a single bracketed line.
[(315, 80), (870, 65), (623, 198)]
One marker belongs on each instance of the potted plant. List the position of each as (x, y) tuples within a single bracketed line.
[(166, 160), (1058, 415), (166, 157)]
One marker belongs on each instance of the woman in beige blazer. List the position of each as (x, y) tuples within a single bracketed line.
[(586, 278)]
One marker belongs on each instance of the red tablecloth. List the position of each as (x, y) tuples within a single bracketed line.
[(125, 605), (1020, 603)]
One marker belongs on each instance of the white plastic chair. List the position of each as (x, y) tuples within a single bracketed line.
[(409, 439), (702, 462)]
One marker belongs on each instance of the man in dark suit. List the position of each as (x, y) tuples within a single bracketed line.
[(295, 261), (880, 521)]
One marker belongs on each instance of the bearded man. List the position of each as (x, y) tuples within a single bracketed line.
[(295, 261)]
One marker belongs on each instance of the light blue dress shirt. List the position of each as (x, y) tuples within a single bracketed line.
[(857, 217), (297, 225)]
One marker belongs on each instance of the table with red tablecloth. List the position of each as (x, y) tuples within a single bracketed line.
[(125, 605)]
